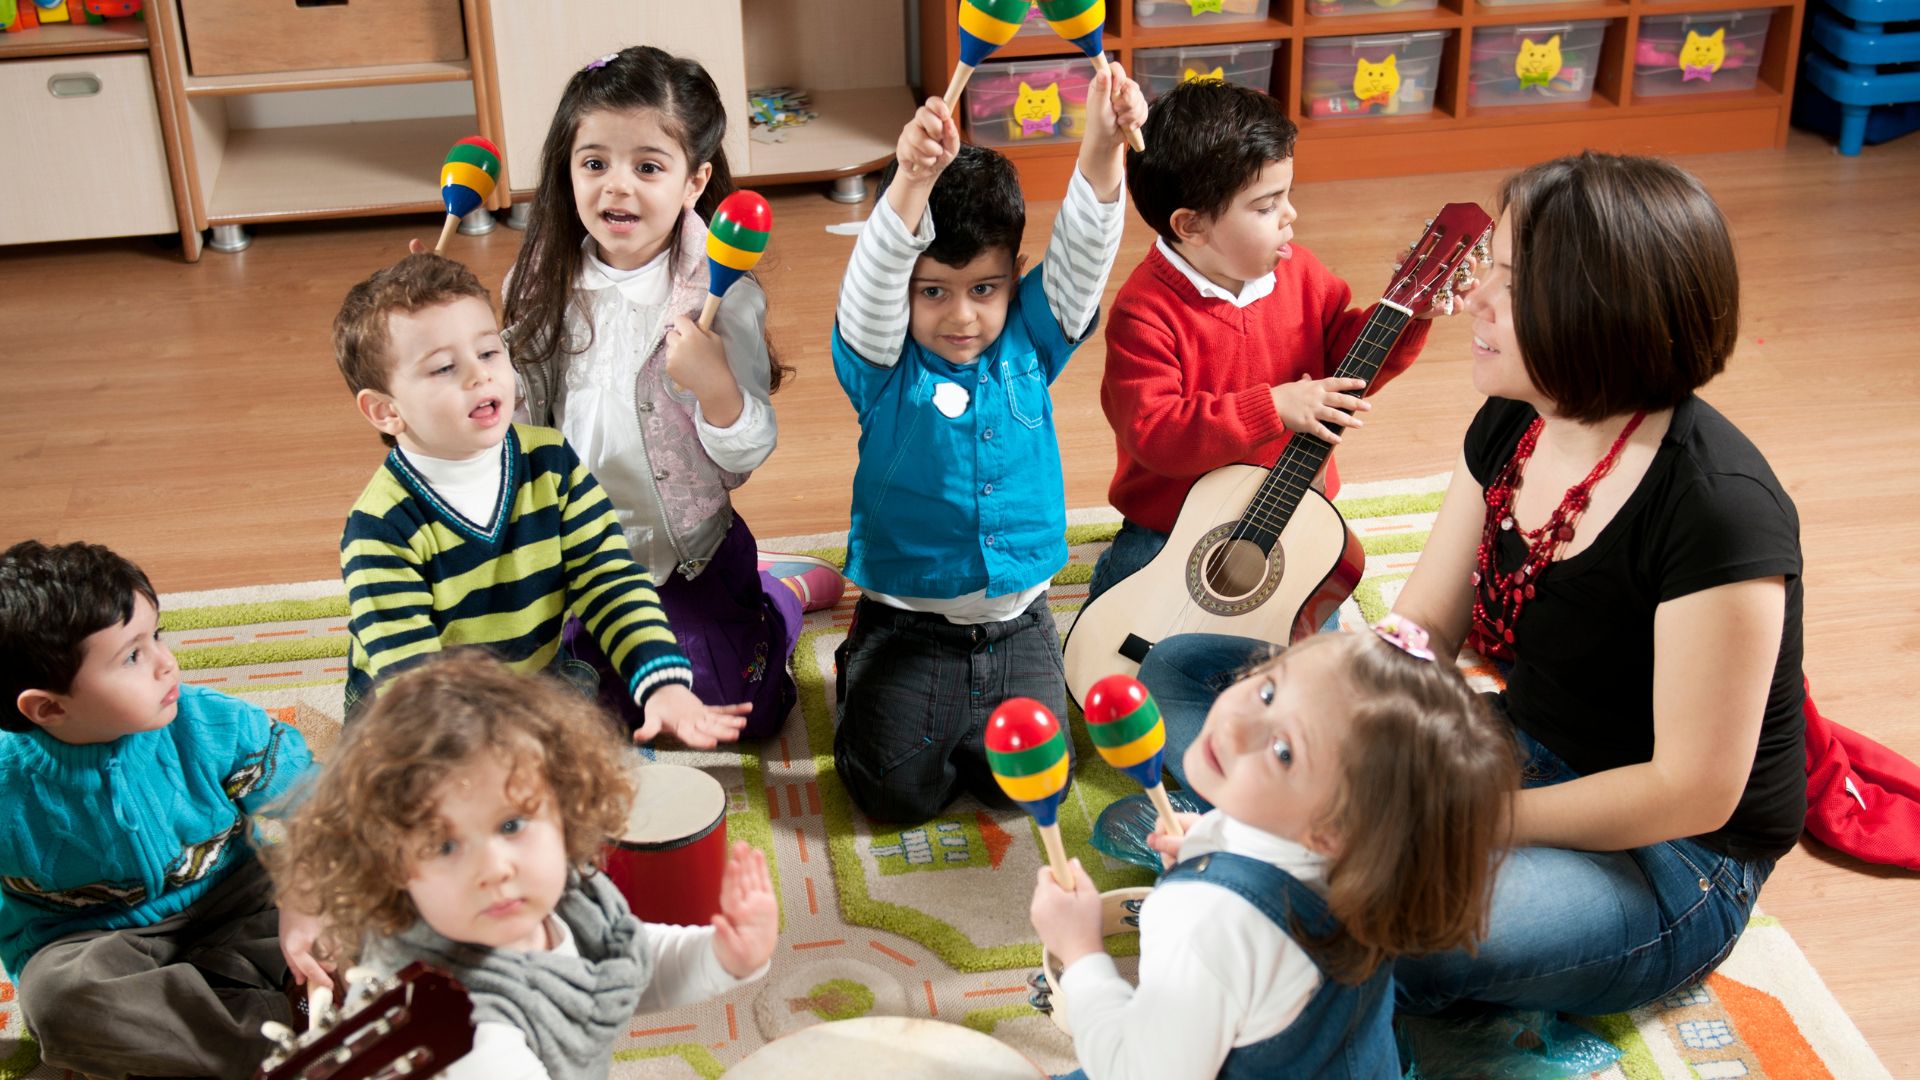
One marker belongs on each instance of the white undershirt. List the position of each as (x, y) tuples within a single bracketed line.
[(471, 487), (1215, 973)]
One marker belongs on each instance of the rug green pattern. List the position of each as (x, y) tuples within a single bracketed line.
[(954, 944)]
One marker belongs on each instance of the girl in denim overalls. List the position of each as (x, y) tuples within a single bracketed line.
[(1361, 792)]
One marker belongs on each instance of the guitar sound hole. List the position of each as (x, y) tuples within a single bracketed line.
[(1235, 569)]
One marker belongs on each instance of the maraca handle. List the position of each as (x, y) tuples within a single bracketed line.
[(1056, 855), (446, 233), (1158, 795), (708, 310), (961, 73), (1134, 138)]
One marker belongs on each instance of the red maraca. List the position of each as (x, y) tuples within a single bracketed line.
[(1027, 751), (1125, 725), (736, 238), (466, 179)]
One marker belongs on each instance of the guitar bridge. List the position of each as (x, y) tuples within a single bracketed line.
[(1135, 648)]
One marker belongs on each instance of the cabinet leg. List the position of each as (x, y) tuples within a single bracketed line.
[(228, 239), (848, 189), (478, 223), (517, 216)]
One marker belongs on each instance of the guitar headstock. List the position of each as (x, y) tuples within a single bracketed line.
[(417, 1023), (1435, 265)]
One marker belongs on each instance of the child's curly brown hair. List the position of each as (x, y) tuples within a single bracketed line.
[(354, 842)]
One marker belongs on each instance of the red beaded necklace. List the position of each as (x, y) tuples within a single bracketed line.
[(1498, 597)]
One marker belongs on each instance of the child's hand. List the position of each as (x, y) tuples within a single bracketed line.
[(697, 360), (1305, 403), (1166, 843), (299, 934), (748, 926), (673, 710), (928, 144), (1114, 105), (1068, 922)]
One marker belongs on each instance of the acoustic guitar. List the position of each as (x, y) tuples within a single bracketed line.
[(1258, 552)]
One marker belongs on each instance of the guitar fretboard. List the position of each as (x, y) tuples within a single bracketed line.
[(1280, 493)]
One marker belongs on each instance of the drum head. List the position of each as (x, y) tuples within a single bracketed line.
[(672, 804), (886, 1047)]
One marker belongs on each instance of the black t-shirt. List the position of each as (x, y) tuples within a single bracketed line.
[(1709, 512)]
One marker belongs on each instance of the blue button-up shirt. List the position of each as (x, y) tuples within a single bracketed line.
[(959, 486)]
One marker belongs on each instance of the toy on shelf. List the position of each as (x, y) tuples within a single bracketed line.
[(466, 179), (1029, 101), (1082, 22), (1027, 751), (1125, 725), (52, 11), (985, 25), (736, 238)]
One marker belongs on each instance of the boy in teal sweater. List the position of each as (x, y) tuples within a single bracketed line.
[(134, 918)]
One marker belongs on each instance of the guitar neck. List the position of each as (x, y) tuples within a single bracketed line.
[(1279, 495)]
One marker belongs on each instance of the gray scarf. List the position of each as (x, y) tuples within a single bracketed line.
[(571, 1008)]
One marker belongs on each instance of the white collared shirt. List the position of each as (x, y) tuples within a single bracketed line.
[(1257, 289)]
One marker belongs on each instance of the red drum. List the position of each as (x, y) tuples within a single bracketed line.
[(669, 861)]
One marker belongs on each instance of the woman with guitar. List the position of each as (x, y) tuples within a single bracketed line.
[(1629, 558)]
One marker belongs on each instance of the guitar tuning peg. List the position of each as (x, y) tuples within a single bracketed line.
[(1429, 223), (320, 1007), (285, 1042), (1481, 251)]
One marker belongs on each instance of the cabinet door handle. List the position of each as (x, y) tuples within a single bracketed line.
[(74, 84), (319, 3)]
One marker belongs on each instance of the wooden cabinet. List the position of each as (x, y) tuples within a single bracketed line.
[(1453, 135), (239, 173), (850, 55), (87, 135)]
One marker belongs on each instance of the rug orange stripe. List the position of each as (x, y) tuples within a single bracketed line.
[(204, 640), (333, 670), (786, 756), (279, 633), (733, 1025), (205, 682), (992, 990), (644, 1032), (818, 944), (274, 675), (813, 904), (932, 1009), (895, 953), (801, 839)]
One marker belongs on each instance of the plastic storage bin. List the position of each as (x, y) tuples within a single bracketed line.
[(1699, 54), (1197, 12), (1249, 65), (1534, 65), (1367, 7), (1029, 101), (1372, 75)]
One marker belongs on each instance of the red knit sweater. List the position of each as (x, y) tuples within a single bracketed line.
[(1189, 379)]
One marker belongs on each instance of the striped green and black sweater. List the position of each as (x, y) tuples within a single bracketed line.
[(421, 578)]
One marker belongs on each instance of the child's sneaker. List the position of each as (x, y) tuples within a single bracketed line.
[(816, 582)]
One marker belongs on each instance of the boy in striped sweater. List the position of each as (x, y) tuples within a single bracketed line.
[(479, 531)]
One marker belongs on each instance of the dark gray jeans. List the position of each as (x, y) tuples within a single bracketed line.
[(183, 997), (915, 693)]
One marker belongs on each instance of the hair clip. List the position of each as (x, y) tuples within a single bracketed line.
[(603, 61), (1406, 635)]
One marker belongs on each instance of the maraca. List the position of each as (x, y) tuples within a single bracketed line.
[(985, 25), (1126, 728), (466, 179), (1081, 22), (1027, 751), (736, 238)]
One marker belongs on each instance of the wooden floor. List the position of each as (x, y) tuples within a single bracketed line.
[(191, 417)]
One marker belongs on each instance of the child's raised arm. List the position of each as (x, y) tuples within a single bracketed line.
[(872, 315)]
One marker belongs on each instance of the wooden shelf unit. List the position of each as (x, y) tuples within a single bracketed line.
[(239, 175), (1454, 136), (77, 42)]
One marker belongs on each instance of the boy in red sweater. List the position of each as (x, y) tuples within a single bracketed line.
[(1220, 344)]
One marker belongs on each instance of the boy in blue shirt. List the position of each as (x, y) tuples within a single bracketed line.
[(959, 512), (134, 918)]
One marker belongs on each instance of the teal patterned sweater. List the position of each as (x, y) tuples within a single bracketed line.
[(126, 833)]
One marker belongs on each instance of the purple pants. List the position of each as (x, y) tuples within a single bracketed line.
[(737, 625)]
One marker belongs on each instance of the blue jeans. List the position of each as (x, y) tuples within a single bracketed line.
[(1588, 932), (1133, 547)]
